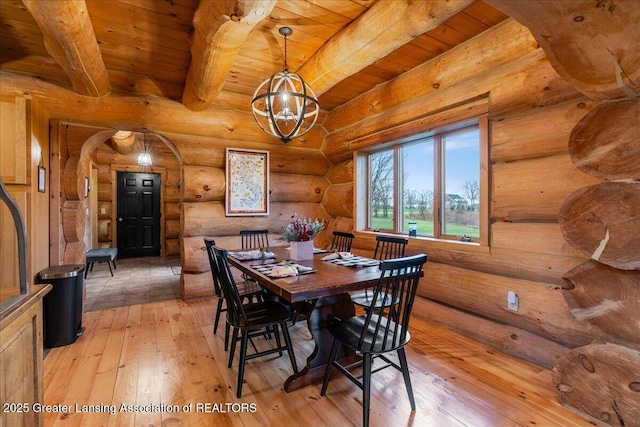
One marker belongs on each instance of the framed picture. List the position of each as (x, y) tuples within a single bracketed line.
[(42, 179), (86, 187), (247, 190)]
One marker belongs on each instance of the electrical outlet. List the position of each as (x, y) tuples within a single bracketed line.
[(512, 301), (103, 211)]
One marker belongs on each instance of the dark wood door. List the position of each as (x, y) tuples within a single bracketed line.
[(138, 214)]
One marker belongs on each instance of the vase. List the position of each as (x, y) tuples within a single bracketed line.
[(301, 251)]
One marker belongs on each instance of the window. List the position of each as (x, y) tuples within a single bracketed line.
[(431, 185)]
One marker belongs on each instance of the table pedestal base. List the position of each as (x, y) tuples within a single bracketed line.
[(319, 313)]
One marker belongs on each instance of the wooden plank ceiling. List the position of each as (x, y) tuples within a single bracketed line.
[(146, 48)]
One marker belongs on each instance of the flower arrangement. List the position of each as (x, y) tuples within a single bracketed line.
[(302, 230)]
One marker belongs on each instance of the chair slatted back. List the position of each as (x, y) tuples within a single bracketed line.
[(254, 239), (341, 241), (235, 309), (209, 244), (390, 247), (386, 329)]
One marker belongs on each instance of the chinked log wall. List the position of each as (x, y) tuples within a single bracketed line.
[(531, 113)]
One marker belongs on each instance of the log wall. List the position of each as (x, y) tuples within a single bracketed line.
[(532, 112), (602, 222), (297, 185)]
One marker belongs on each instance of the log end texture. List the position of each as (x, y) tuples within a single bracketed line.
[(606, 142), (607, 298), (602, 223), (602, 381)]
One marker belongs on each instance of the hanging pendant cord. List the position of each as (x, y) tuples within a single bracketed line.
[(285, 67)]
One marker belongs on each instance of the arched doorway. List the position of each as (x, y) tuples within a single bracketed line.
[(87, 208)]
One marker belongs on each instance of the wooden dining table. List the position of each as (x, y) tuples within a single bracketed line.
[(319, 296)]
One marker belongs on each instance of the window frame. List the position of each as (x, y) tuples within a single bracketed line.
[(362, 210)]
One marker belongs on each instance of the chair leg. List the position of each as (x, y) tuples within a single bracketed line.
[(243, 359), (234, 340), (402, 356), (226, 336), (287, 340), (327, 373), (366, 388), (218, 311), (276, 333)]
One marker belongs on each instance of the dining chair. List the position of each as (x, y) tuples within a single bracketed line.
[(253, 319), (254, 239), (387, 247), (377, 333), (341, 241), (247, 290)]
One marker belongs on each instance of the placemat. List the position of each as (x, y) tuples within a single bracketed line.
[(267, 268), (355, 261)]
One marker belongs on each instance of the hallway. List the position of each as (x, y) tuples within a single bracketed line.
[(134, 281)]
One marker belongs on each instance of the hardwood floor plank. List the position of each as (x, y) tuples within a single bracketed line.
[(148, 392), (101, 394), (446, 359), (85, 370), (165, 353), (126, 386), (201, 380)]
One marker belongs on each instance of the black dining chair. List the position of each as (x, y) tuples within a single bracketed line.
[(254, 239), (253, 319), (387, 247), (377, 333), (247, 290), (342, 241)]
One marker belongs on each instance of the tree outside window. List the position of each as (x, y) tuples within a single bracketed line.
[(439, 185)]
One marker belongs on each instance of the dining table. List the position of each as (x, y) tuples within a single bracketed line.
[(321, 294)]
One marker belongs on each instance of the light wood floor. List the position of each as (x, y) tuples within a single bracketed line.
[(165, 353)]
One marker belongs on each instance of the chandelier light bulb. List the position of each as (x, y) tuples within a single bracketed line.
[(144, 158)]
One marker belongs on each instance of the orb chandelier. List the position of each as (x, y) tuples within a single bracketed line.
[(283, 105)]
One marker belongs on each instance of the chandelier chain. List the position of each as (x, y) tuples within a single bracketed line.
[(285, 67)]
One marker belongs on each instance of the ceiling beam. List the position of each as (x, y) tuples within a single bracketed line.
[(383, 28), (589, 43), (220, 29), (69, 38)]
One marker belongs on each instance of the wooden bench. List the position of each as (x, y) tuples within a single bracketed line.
[(107, 255)]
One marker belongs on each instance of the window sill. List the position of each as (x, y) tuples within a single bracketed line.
[(431, 243)]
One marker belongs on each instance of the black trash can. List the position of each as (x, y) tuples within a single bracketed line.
[(63, 305)]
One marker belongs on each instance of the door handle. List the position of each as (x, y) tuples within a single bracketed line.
[(119, 219)]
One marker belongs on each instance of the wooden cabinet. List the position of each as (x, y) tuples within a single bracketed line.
[(21, 361), (21, 341)]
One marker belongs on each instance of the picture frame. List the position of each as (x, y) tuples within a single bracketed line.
[(87, 188), (42, 179), (247, 182)]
